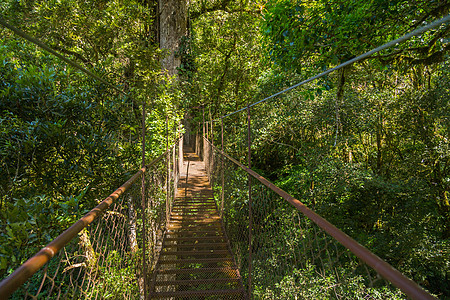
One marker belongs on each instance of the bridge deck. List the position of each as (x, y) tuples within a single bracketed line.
[(195, 260)]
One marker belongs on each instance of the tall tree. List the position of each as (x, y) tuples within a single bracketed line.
[(172, 27)]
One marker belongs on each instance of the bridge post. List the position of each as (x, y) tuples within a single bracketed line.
[(198, 140), (212, 159), (250, 223), (167, 169), (174, 163), (203, 135), (212, 131), (144, 207), (222, 195), (180, 150)]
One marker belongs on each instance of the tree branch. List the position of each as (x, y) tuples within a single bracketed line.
[(438, 11), (75, 54)]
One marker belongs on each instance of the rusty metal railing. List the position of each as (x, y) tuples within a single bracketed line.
[(100, 256), (286, 250)]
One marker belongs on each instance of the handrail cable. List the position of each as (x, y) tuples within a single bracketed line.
[(402, 39), (60, 56), (33, 264), (402, 282)]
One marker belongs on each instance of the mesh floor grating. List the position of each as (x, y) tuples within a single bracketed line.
[(195, 261)]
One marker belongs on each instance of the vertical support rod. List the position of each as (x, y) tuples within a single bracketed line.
[(203, 114), (212, 132), (176, 156), (197, 140), (222, 171), (203, 136), (144, 207), (167, 168), (250, 223), (174, 169), (211, 152)]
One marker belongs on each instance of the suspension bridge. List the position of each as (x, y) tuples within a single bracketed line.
[(196, 257), (197, 234), (196, 223)]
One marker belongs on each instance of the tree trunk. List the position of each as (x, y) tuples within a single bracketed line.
[(172, 27), (132, 237), (132, 226)]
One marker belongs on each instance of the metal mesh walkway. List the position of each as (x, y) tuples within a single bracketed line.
[(195, 260)]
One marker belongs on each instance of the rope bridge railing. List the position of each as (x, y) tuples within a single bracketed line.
[(285, 250), (109, 253)]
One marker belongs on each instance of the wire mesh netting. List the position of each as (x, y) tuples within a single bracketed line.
[(291, 257), (105, 261)]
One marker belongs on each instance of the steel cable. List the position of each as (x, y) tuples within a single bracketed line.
[(351, 61), (65, 59)]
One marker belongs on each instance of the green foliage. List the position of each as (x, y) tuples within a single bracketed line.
[(57, 140), (114, 282), (61, 133), (308, 283), (225, 46), (322, 34), (366, 147), (394, 205), (187, 66), (112, 36), (51, 133), (30, 222)]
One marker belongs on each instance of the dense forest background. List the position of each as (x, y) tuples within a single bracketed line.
[(367, 147)]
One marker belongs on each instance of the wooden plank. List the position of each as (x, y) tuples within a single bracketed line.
[(194, 209), (205, 222), (197, 204), (227, 270), (198, 252), (200, 238), (195, 227), (198, 293), (184, 209), (197, 281), (195, 218), (195, 261), (201, 245), (197, 234), (188, 232)]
